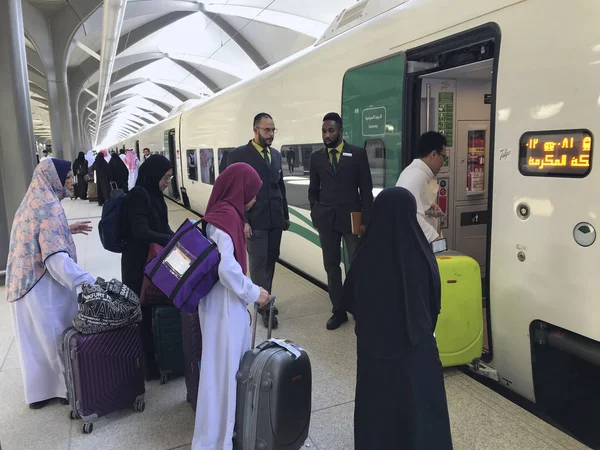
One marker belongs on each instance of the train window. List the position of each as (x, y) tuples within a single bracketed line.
[(556, 153), (207, 166), (223, 153), (192, 164), (296, 172), (376, 153)]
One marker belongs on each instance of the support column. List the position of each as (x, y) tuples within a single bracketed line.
[(17, 143)]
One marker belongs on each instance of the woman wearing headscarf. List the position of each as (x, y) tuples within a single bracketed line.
[(119, 171), (223, 313), (146, 222), (42, 280), (103, 178), (133, 164), (400, 393), (80, 170)]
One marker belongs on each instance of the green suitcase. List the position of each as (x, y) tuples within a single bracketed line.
[(459, 330), (168, 341)]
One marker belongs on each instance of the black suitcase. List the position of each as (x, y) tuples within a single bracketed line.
[(168, 341), (192, 353), (273, 395)]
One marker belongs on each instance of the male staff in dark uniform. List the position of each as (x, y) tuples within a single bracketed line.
[(269, 216), (340, 184)]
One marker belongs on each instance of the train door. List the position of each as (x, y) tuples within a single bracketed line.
[(171, 153), (457, 103), (137, 149)]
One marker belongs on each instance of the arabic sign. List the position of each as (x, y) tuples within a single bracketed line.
[(556, 153), (373, 121), (446, 115)]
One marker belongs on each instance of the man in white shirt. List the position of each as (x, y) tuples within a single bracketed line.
[(419, 179)]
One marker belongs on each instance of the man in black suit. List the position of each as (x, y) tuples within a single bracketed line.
[(269, 216), (340, 184)]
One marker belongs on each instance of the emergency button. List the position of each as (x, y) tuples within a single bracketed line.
[(442, 191)]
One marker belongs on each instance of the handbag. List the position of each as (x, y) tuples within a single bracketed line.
[(150, 294), (187, 268), (106, 306)]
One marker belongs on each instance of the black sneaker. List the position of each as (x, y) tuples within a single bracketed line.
[(336, 321), (38, 405)]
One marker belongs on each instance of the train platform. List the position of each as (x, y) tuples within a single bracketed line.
[(480, 418)]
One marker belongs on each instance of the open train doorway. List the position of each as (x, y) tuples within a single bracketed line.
[(173, 189), (451, 87)]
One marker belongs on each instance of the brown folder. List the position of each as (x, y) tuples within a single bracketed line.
[(356, 218)]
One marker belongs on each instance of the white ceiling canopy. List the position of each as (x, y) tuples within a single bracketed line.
[(174, 51)]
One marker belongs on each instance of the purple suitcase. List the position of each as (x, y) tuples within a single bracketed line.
[(187, 268), (192, 353), (104, 372)]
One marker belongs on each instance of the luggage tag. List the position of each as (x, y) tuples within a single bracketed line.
[(178, 261), (287, 346)]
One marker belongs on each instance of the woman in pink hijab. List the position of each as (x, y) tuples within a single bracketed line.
[(223, 313)]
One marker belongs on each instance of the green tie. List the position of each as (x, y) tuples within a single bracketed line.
[(334, 161), (266, 153)]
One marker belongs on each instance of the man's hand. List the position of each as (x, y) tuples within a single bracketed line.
[(81, 227), (263, 298), (286, 225), (247, 231), (436, 207), (362, 230)]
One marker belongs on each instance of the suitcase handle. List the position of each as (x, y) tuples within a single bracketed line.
[(255, 321)]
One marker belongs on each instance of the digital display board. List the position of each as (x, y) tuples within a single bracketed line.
[(561, 153)]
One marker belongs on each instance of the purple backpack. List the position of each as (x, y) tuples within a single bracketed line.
[(187, 268)]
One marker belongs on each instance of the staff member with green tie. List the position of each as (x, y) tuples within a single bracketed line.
[(340, 184), (269, 216)]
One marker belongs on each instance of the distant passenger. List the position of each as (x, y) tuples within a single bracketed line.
[(393, 290), (133, 165), (119, 171), (419, 179), (80, 171), (42, 280), (103, 178), (146, 222), (268, 219), (122, 154), (340, 184), (44, 156), (146, 154), (223, 314), (291, 159)]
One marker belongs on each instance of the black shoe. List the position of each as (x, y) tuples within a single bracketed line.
[(38, 405), (336, 321), (275, 310), (265, 317)]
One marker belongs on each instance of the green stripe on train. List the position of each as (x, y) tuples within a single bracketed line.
[(309, 235)]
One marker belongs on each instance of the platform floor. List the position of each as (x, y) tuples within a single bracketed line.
[(480, 418)]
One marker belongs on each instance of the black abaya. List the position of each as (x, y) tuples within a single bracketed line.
[(80, 170), (120, 172), (393, 291), (103, 178), (146, 222)]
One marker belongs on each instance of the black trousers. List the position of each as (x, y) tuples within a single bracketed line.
[(331, 241), (263, 251)]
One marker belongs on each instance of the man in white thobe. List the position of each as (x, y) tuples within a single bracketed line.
[(419, 179)]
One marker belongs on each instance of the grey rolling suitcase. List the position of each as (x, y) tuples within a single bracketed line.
[(273, 395)]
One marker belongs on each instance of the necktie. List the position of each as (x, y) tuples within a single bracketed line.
[(266, 153), (334, 161)]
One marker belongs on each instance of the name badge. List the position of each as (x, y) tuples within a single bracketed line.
[(347, 154)]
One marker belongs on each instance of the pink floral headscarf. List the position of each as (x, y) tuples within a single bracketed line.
[(40, 229)]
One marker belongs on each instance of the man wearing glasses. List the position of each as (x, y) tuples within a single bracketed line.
[(269, 216), (419, 179)]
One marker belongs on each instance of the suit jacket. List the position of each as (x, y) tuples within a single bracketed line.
[(271, 208), (333, 197)]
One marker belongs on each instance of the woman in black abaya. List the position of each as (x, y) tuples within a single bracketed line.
[(80, 170), (393, 290), (103, 178), (146, 222), (119, 171)]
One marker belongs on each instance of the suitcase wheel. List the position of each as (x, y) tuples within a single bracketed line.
[(476, 364), (139, 406), (163, 378), (87, 428)]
